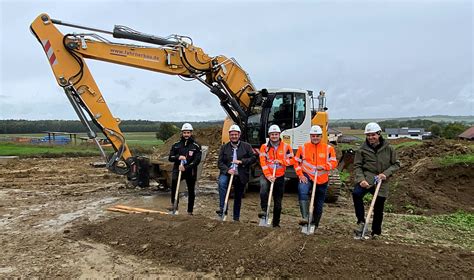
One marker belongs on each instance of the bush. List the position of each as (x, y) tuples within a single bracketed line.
[(165, 131)]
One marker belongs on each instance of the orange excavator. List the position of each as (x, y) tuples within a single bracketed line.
[(253, 110)]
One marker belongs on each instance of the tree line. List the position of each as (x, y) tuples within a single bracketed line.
[(165, 129), (40, 126), (449, 130)]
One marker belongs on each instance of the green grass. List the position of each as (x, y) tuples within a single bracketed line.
[(456, 159), (407, 144), (29, 150), (460, 221), (344, 175), (139, 143)]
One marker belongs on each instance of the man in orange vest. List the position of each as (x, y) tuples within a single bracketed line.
[(274, 156), (311, 157)]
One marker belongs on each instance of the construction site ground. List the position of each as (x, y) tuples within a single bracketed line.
[(55, 224)]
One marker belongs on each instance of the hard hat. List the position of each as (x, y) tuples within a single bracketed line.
[(372, 127), (187, 127), (274, 128), (315, 129), (234, 127)]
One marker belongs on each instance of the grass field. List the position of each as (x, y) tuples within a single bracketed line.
[(138, 141)]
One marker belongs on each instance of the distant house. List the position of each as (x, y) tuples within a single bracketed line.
[(333, 135), (405, 132), (468, 134)]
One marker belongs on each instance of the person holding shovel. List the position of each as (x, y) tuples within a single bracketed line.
[(235, 159), (275, 156), (375, 159), (186, 155), (314, 157)]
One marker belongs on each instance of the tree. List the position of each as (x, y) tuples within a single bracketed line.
[(165, 131), (452, 130), (435, 130)]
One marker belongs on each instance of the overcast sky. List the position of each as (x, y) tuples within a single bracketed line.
[(374, 59)]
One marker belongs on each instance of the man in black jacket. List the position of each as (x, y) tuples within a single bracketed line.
[(235, 157), (186, 155)]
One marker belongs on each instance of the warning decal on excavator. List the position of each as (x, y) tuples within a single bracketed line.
[(49, 52)]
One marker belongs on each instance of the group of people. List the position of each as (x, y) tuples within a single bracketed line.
[(313, 161)]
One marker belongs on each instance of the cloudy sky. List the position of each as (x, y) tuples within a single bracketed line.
[(374, 59)]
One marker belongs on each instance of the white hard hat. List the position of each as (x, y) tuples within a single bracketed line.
[(315, 129), (274, 128), (187, 127), (234, 127), (372, 127)]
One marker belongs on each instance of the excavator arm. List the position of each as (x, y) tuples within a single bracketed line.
[(173, 56)]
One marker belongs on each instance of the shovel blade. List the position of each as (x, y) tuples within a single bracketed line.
[(174, 212), (359, 234), (264, 222), (308, 229)]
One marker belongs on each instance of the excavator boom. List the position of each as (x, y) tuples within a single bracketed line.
[(67, 53)]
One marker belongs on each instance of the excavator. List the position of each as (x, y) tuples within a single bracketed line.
[(254, 110)]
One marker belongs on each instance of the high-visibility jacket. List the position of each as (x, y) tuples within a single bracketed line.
[(310, 156), (268, 155)]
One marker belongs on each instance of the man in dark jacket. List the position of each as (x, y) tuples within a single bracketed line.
[(374, 158), (186, 155), (235, 157)]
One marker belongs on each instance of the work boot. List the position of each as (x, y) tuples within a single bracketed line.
[(262, 214), (171, 208), (219, 212), (304, 206), (359, 228), (316, 220)]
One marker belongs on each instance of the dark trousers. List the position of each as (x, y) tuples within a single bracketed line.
[(238, 193), (278, 190), (358, 198), (190, 182), (304, 189)]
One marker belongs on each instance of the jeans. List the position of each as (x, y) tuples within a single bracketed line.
[(190, 182), (223, 183), (358, 198), (304, 190), (278, 190)]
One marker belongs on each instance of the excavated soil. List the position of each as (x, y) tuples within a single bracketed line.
[(55, 224), (430, 187), (236, 249)]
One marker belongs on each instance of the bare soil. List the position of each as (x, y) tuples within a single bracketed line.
[(55, 224)]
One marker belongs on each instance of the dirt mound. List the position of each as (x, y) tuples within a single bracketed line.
[(423, 185), (209, 136), (240, 249)]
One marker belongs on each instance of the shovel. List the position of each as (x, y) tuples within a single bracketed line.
[(309, 228), (266, 221), (175, 204), (371, 209), (226, 201)]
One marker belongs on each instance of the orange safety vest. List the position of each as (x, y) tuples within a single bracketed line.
[(283, 153), (310, 155)]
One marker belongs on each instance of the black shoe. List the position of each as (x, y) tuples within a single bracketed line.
[(219, 212), (171, 208), (262, 214), (375, 236), (190, 213), (276, 226), (360, 222)]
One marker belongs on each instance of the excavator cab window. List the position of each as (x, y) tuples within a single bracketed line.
[(281, 112)]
